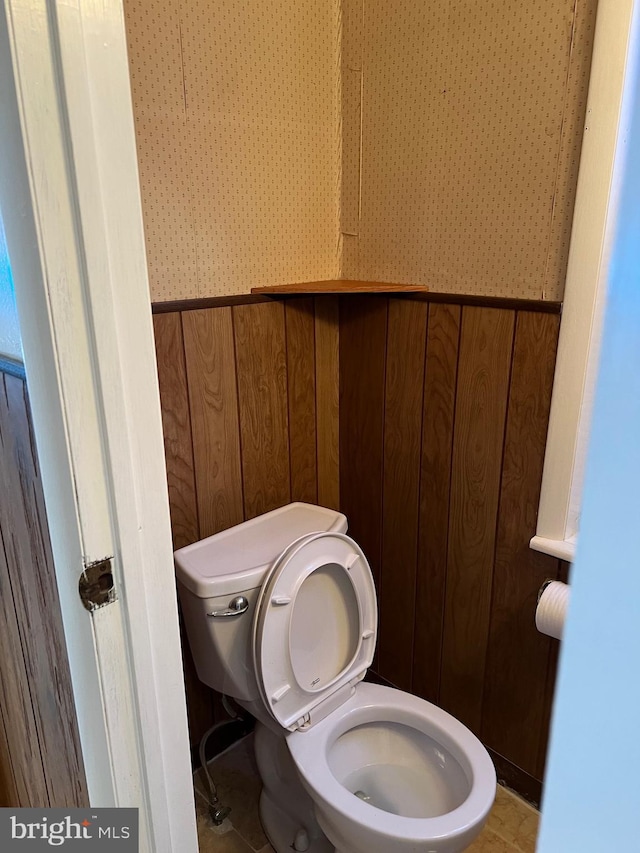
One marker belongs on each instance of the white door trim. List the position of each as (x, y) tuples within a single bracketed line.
[(70, 195), (586, 285)]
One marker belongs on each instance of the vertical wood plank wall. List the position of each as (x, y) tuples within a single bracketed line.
[(445, 411), (249, 398), (40, 757), (434, 451)]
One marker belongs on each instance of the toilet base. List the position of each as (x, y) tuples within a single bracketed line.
[(281, 830), (286, 810)]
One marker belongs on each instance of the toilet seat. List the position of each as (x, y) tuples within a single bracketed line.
[(314, 629), (373, 703)]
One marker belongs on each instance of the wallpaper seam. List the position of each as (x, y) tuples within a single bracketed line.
[(339, 136), (565, 107), (350, 200), (361, 144), (190, 183), (361, 136)]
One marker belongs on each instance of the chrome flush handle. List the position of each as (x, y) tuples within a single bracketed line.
[(236, 607)]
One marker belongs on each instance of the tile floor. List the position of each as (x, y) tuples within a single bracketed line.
[(512, 826)]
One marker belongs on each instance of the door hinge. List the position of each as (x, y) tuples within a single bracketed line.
[(96, 585)]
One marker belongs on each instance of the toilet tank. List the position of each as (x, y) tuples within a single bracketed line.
[(213, 572)]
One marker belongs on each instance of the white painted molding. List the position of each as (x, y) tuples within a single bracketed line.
[(95, 70), (44, 264), (585, 292), (76, 242), (565, 549)]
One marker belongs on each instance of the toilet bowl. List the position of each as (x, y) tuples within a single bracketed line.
[(393, 772), (281, 614)]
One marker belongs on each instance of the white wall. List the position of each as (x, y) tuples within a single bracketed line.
[(9, 329)]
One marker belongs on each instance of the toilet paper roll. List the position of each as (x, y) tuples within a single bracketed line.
[(552, 609)]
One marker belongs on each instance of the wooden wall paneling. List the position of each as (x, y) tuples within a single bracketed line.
[(328, 400), (481, 404), (439, 483), (363, 336), (487, 381), (435, 478), (548, 693), (406, 341), (176, 426), (301, 384), (178, 444), (36, 655), (261, 363), (213, 405), (511, 776), (16, 706), (518, 655), (40, 618), (8, 790)]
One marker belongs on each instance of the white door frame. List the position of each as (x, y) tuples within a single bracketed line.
[(69, 191), (586, 284)]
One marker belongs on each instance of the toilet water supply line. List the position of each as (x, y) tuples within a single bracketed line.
[(217, 811)]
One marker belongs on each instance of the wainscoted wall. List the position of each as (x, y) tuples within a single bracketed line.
[(250, 411), (40, 758), (442, 422), (444, 411)]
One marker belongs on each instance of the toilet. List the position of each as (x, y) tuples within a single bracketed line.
[(281, 615)]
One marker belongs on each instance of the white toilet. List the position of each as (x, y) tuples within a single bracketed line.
[(281, 615)]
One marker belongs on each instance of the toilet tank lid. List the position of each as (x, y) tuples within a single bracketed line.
[(238, 558)]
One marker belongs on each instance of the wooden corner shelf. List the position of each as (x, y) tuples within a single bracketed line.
[(339, 286)]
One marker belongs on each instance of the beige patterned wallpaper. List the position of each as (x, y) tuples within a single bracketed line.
[(411, 141), (236, 106), (472, 114)]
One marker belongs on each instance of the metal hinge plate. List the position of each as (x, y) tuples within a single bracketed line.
[(96, 585)]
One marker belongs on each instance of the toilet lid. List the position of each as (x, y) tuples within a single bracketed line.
[(315, 627)]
